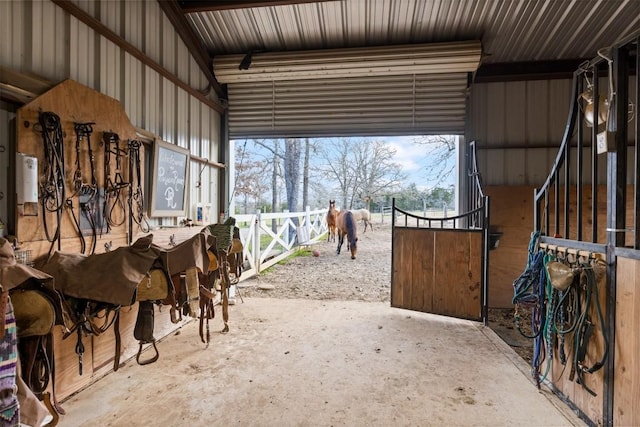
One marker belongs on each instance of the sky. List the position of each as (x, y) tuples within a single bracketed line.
[(412, 158)]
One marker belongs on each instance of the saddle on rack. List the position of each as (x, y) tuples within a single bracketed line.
[(36, 307), (94, 287)]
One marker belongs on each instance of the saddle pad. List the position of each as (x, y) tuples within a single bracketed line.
[(223, 234), (154, 286), (236, 246), (34, 312), (213, 261)]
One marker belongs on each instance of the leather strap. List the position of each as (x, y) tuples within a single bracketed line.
[(116, 332)]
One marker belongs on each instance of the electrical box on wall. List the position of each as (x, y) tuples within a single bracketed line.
[(605, 142), (26, 179)]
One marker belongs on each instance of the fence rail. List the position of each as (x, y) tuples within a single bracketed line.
[(271, 237)]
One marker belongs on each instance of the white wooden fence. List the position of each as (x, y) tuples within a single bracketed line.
[(270, 237)]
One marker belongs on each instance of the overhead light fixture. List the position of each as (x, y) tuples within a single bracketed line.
[(246, 62), (603, 107), (454, 57)]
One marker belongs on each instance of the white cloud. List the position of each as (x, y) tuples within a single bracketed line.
[(411, 156)]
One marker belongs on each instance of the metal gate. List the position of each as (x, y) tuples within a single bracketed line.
[(439, 265)]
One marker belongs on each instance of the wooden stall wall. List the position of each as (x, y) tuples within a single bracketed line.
[(560, 374), (427, 280), (512, 214), (626, 393)]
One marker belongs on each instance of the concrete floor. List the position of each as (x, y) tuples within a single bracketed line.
[(292, 362)]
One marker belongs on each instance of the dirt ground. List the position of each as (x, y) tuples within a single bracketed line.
[(368, 278), (330, 276), (324, 348)]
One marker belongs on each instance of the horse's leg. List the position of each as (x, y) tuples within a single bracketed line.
[(340, 240)]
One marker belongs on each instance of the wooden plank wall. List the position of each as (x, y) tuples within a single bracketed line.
[(437, 271), (512, 214), (626, 393), (73, 102)]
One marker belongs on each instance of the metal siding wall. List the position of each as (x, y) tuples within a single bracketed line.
[(205, 140), (531, 114), (520, 114), (195, 132), (168, 111), (515, 111), (495, 107), (12, 41), (386, 105), (558, 108), (182, 119), (110, 54), (39, 37), (537, 100), (48, 52), (83, 65)]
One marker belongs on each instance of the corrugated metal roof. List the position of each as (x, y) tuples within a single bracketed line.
[(510, 30)]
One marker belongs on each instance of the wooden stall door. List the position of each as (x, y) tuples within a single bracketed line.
[(437, 271)]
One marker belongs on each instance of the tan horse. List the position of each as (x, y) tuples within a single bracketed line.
[(331, 221), (365, 216)]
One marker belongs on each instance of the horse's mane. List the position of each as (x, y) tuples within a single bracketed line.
[(351, 228)]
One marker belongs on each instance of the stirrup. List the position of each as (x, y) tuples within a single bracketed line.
[(152, 359)]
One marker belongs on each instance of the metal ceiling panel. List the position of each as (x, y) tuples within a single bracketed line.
[(510, 30)]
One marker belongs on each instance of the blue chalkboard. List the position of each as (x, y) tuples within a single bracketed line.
[(170, 172)]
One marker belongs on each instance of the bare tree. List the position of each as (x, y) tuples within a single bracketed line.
[(360, 168), (439, 149), (376, 171), (291, 161), (292, 171), (249, 182), (305, 174)]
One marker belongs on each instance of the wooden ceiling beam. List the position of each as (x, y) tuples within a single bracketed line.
[(106, 32), (192, 6), (192, 41)]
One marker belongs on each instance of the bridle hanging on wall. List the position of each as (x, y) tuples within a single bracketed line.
[(136, 193), (81, 189), (113, 187), (52, 186)]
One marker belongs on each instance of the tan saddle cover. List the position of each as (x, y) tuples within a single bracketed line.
[(154, 286), (34, 312)]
